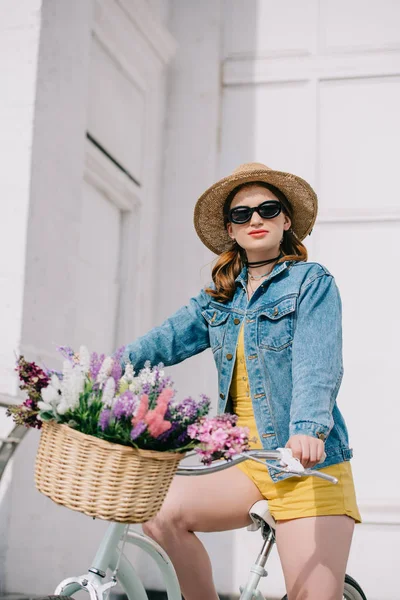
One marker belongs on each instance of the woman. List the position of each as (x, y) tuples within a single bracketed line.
[(273, 321)]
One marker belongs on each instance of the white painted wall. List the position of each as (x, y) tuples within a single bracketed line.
[(74, 197), (49, 292), (316, 85), (311, 88), (19, 47)]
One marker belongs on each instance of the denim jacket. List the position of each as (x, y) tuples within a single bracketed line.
[(293, 349)]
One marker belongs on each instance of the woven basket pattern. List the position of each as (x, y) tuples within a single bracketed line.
[(101, 479)]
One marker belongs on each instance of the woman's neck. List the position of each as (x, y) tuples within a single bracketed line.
[(255, 266)]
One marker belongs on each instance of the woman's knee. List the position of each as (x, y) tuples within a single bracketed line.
[(167, 521)]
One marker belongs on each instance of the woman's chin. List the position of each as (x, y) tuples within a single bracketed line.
[(260, 246)]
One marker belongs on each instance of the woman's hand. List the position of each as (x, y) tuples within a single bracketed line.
[(309, 450)]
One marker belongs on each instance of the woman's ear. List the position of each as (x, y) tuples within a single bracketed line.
[(229, 230)]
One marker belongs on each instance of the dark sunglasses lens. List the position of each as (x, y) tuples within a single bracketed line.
[(268, 210), (240, 214)]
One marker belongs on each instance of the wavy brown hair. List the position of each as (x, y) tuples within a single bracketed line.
[(230, 263)]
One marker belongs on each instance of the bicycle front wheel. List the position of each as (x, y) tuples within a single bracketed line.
[(352, 591)]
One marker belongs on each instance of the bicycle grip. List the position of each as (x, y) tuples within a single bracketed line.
[(323, 457)]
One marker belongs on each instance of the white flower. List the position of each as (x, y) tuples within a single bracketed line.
[(84, 359), (62, 408), (49, 395), (44, 406), (105, 370), (66, 382), (108, 392), (77, 386), (55, 382), (146, 375), (128, 374), (136, 385), (71, 387)]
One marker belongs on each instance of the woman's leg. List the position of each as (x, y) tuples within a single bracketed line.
[(214, 502), (314, 552)]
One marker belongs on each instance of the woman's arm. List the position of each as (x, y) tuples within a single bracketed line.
[(317, 363), (182, 335)]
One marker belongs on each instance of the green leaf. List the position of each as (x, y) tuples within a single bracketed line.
[(47, 416)]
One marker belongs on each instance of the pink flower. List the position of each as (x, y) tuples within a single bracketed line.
[(142, 410), (156, 423), (163, 401), (219, 437)]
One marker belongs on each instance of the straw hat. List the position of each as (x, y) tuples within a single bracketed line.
[(208, 212)]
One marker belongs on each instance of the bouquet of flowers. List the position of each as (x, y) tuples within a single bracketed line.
[(92, 394)]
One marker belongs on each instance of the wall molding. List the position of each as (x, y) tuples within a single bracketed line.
[(158, 37), (380, 512), (116, 54), (110, 181), (138, 12), (354, 218), (306, 67)]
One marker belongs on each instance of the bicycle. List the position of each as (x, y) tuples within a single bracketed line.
[(110, 557)]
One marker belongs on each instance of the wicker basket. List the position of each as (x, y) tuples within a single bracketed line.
[(101, 479)]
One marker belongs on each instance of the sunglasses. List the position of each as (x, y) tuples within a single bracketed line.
[(267, 210)]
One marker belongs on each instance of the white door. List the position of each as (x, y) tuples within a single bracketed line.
[(128, 54)]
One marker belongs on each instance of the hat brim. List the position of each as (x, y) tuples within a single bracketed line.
[(208, 212)]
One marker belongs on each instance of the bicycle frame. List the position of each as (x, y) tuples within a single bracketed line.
[(108, 555)]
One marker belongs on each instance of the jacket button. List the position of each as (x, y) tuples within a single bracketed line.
[(321, 436), (222, 396), (229, 356), (236, 321), (276, 310)]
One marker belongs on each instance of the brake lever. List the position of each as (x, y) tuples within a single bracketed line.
[(294, 466), (277, 468)]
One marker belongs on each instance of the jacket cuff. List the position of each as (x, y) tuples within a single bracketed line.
[(309, 428)]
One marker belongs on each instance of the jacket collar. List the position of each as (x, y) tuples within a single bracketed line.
[(278, 268)]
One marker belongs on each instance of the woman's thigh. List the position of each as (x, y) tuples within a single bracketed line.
[(214, 502), (314, 553)]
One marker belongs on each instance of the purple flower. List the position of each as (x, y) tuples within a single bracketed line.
[(116, 372), (104, 419), (146, 388), (66, 352), (125, 405), (95, 364), (189, 410), (182, 439), (174, 426), (50, 372), (138, 430)]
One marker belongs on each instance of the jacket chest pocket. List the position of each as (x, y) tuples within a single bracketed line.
[(276, 324), (217, 322)]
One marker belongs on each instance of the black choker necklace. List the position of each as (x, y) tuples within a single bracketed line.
[(261, 263)]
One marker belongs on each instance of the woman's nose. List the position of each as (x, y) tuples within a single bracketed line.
[(255, 219)]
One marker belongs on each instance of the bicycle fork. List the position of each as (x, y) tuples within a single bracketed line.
[(250, 591)]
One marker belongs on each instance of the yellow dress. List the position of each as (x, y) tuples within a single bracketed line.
[(293, 497)]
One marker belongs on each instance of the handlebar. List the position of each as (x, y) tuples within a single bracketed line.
[(287, 464)]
